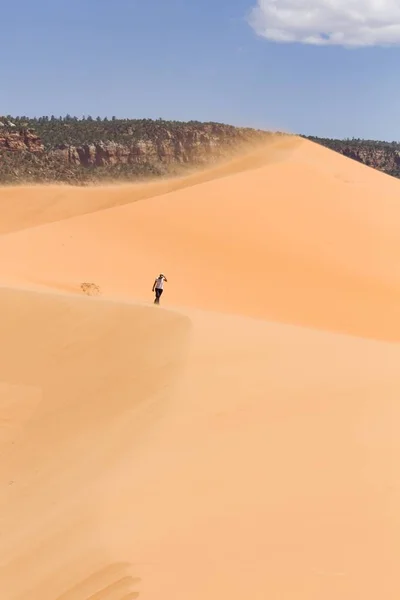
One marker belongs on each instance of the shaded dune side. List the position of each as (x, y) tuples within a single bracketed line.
[(22, 207), (76, 377)]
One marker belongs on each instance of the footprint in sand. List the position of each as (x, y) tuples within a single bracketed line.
[(110, 583)]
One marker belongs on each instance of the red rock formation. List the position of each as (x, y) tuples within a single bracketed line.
[(177, 146), (22, 140), (150, 150)]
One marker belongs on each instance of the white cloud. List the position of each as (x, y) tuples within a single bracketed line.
[(328, 22)]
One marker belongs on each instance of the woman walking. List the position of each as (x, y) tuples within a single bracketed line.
[(158, 287)]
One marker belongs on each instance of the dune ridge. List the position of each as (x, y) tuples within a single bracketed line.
[(241, 439), (29, 206)]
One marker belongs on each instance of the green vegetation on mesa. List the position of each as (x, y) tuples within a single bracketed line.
[(57, 131), (60, 131)]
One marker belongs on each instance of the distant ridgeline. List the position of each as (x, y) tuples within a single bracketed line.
[(89, 150), (383, 156)]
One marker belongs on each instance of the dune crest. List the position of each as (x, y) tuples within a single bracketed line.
[(218, 445), (29, 206)]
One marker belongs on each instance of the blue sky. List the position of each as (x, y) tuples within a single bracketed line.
[(205, 60)]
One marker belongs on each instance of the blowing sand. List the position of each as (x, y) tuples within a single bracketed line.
[(239, 441)]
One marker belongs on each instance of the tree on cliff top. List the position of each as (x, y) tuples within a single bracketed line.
[(70, 130)]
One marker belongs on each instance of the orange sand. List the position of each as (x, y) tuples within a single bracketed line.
[(241, 440)]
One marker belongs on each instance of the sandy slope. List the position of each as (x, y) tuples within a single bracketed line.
[(311, 238), (185, 453), (22, 207)]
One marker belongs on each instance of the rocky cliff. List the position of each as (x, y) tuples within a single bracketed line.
[(180, 146), (20, 140), (86, 151)]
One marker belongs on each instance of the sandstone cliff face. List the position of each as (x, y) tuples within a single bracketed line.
[(113, 150), (180, 146), (19, 141)]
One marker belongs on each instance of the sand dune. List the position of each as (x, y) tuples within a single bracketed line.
[(184, 452), (295, 240)]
